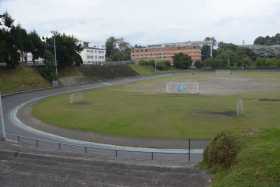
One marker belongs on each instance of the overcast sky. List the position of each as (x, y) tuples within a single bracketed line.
[(149, 21)]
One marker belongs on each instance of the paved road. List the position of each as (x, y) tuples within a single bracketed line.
[(14, 126), (20, 169)]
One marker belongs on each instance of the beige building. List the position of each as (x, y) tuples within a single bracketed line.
[(165, 52)]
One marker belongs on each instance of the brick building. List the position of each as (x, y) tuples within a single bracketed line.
[(166, 52)]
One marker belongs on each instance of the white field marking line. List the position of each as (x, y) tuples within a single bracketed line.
[(13, 117)]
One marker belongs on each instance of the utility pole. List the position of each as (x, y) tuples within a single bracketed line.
[(4, 136)]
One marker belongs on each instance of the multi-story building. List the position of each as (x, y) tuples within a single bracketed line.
[(93, 55), (167, 51)]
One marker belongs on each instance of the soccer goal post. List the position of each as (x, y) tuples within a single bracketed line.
[(183, 88)]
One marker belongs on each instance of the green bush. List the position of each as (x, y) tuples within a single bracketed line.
[(163, 65), (47, 71), (147, 62), (160, 64), (267, 62), (199, 64), (182, 61), (221, 152)]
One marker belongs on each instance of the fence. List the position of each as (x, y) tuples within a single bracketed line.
[(192, 153)]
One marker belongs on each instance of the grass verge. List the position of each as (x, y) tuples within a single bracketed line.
[(256, 164)]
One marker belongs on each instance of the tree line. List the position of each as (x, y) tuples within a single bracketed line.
[(267, 40), (15, 41)]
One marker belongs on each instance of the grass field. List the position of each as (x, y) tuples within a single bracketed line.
[(21, 78), (143, 110)]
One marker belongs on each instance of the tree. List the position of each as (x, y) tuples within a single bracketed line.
[(19, 37), (117, 49), (36, 45), (48, 71), (273, 40), (211, 40), (110, 46), (231, 56), (67, 49), (182, 61), (205, 52), (8, 44)]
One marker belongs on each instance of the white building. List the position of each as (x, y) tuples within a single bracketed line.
[(93, 55), (27, 58)]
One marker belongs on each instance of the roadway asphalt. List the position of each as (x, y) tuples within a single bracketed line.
[(15, 127)]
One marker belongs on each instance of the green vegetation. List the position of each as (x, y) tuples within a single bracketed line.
[(268, 62), (138, 110), (182, 61), (160, 65), (107, 71), (70, 72), (274, 40), (256, 162), (21, 78), (143, 70), (117, 49), (16, 42), (231, 56)]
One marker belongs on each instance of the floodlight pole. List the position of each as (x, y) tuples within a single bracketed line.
[(211, 50), (54, 48), (4, 136)]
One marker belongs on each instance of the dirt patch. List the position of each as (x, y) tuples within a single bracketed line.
[(213, 85), (269, 100), (211, 113)]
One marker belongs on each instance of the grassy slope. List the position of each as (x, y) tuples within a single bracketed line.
[(70, 71), (257, 164), (142, 70), (22, 78)]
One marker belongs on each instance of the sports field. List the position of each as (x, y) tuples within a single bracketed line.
[(144, 109)]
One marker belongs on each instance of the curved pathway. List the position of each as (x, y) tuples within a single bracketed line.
[(15, 126)]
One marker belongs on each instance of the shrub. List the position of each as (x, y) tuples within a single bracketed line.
[(163, 65), (182, 61), (268, 62), (221, 152), (48, 71), (199, 64), (147, 62)]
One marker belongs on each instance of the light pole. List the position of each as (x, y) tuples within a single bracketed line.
[(4, 136), (54, 48)]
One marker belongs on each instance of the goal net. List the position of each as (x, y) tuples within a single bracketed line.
[(183, 87)]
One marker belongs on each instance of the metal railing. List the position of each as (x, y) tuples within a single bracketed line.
[(192, 153)]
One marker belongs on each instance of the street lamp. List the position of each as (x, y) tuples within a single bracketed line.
[(54, 48)]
